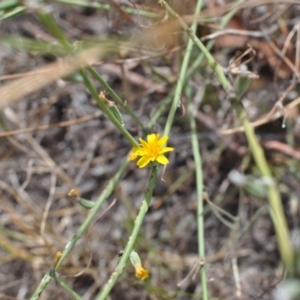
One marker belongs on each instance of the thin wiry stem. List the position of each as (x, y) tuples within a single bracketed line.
[(107, 111), (210, 44), (210, 59), (82, 229), (133, 236), (193, 68), (182, 75), (197, 157), (275, 205), (115, 96), (199, 185), (71, 292), (55, 29)]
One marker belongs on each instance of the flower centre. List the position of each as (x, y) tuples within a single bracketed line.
[(153, 151)]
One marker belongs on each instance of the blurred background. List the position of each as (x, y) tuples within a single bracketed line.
[(56, 139)]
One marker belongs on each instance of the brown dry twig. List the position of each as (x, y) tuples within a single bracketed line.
[(51, 126), (239, 32), (281, 147), (237, 67), (264, 119), (135, 78)]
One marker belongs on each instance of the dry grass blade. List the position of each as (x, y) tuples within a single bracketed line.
[(263, 120), (51, 126), (22, 87)]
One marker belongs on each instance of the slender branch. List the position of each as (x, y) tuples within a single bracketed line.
[(210, 59), (199, 185), (276, 209), (51, 24), (67, 288), (106, 110), (129, 247), (275, 204), (197, 158), (183, 70), (93, 212), (115, 96)]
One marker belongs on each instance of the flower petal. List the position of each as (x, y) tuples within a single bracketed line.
[(151, 149), (143, 161), (166, 149), (144, 143), (142, 152), (140, 272), (162, 159), (163, 140), (151, 138)]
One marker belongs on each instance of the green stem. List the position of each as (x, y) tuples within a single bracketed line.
[(14, 12), (199, 176), (50, 23), (192, 69), (8, 4), (131, 241), (54, 28), (199, 185), (106, 110), (183, 71), (93, 212), (161, 108), (275, 204), (115, 96), (191, 33), (67, 288), (210, 44)]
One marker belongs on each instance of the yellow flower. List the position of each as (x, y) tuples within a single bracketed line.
[(151, 151), (140, 272)]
